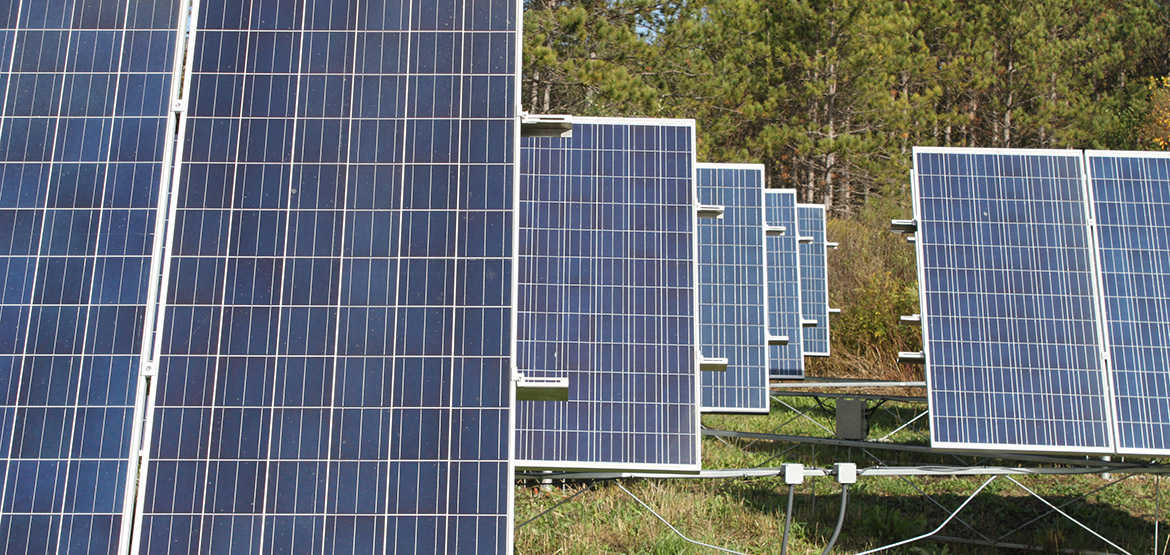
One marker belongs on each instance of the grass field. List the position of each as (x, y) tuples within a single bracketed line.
[(747, 515)]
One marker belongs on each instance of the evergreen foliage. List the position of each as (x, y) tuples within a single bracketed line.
[(831, 95)]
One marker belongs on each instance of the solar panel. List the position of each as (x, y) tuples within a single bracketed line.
[(784, 299), (732, 292), (814, 278), (334, 371), (1130, 193), (1010, 320), (83, 125), (607, 296)]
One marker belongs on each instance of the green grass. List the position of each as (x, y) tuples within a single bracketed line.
[(748, 514)]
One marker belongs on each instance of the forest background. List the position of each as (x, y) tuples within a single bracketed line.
[(831, 95)]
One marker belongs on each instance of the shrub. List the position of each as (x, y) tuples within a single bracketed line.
[(872, 278)]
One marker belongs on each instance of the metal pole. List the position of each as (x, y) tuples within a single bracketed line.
[(787, 520), (1109, 467), (1019, 546), (801, 413), (1157, 508), (900, 428)]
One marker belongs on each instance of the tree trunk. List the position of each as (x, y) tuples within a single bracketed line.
[(810, 187), (831, 135), (1007, 113)]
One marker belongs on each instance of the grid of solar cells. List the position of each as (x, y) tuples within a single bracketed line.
[(607, 296), (1131, 200), (731, 288), (1010, 323), (784, 300), (814, 279), (85, 90), (334, 373)]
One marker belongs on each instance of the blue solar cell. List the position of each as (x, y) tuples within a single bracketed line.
[(607, 296), (334, 372), (814, 278), (84, 90), (1010, 322), (1131, 201), (731, 288), (784, 299)]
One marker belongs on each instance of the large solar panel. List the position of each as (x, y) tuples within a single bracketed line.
[(784, 300), (732, 293), (85, 89), (334, 371), (1131, 201), (814, 278), (1010, 323), (607, 296)]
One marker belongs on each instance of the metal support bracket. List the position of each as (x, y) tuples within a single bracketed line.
[(710, 211), (530, 388), (911, 357), (904, 226), (713, 364), (546, 125)]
